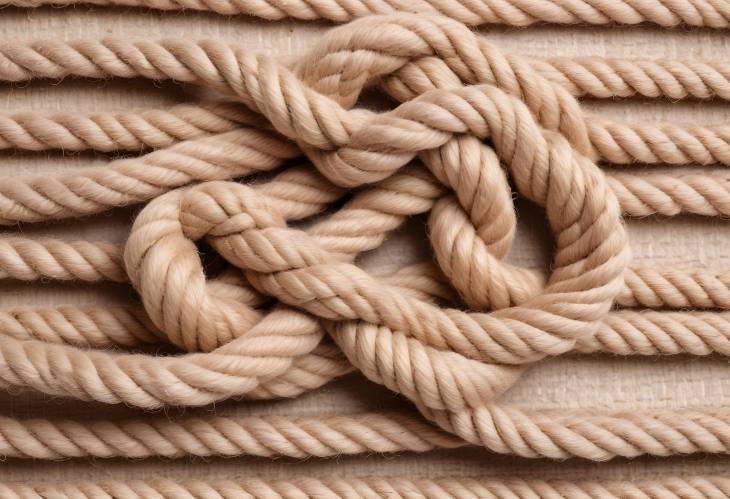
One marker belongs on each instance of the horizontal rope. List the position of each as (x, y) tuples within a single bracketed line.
[(122, 131), (293, 311), (595, 435), (513, 13), (669, 487)]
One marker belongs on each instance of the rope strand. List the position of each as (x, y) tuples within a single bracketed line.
[(293, 311), (128, 131), (514, 13), (670, 487)]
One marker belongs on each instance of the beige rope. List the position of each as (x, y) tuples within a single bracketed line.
[(617, 143), (623, 332), (127, 181), (452, 364), (597, 436), (220, 436), (374, 487), (27, 199), (513, 13), (130, 181), (474, 63), (348, 147), (668, 78), (156, 128), (84, 326)]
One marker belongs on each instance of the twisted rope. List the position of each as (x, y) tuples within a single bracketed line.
[(514, 13), (128, 131), (505, 430), (430, 153), (335, 488), (472, 60)]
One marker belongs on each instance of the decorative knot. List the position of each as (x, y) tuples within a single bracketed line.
[(447, 150)]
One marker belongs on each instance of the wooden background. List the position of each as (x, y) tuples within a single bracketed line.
[(571, 381)]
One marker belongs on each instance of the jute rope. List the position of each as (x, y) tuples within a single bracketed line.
[(712, 14), (376, 487), (510, 431), (293, 311)]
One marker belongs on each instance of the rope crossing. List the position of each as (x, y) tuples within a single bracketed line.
[(293, 311)]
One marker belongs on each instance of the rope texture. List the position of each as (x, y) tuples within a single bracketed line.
[(665, 13), (375, 487), (293, 311)]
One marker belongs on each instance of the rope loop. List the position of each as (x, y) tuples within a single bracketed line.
[(451, 363)]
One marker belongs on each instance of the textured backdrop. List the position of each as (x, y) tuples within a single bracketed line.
[(574, 381)]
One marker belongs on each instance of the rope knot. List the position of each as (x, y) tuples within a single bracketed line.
[(212, 208), (451, 363)]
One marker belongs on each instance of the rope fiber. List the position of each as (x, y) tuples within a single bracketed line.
[(292, 310)]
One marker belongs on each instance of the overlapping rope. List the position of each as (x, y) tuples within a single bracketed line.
[(694, 486), (294, 312)]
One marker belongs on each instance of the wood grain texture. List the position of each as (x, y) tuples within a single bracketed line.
[(566, 382)]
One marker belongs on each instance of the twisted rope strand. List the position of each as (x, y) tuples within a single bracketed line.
[(660, 333), (198, 63), (623, 332), (83, 326), (381, 332), (615, 142), (187, 61), (126, 131), (671, 487), (130, 181), (513, 13), (272, 436), (126, 181), (28, 259), (277, 356), (601, 78), (670, 195), (597, 435)]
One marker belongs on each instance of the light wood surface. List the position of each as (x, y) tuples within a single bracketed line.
[(573, 381)]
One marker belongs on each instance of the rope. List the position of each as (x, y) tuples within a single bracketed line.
[(376, 487), (293, 311), (128, 131), (514, 13), (505, 430)]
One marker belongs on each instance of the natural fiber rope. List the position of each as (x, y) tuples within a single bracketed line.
[(623, 332), (375, 487), (507, 430), (128, 131), (28, 259), (27, 198), (712, 14), (617, 143), (452, 364)]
